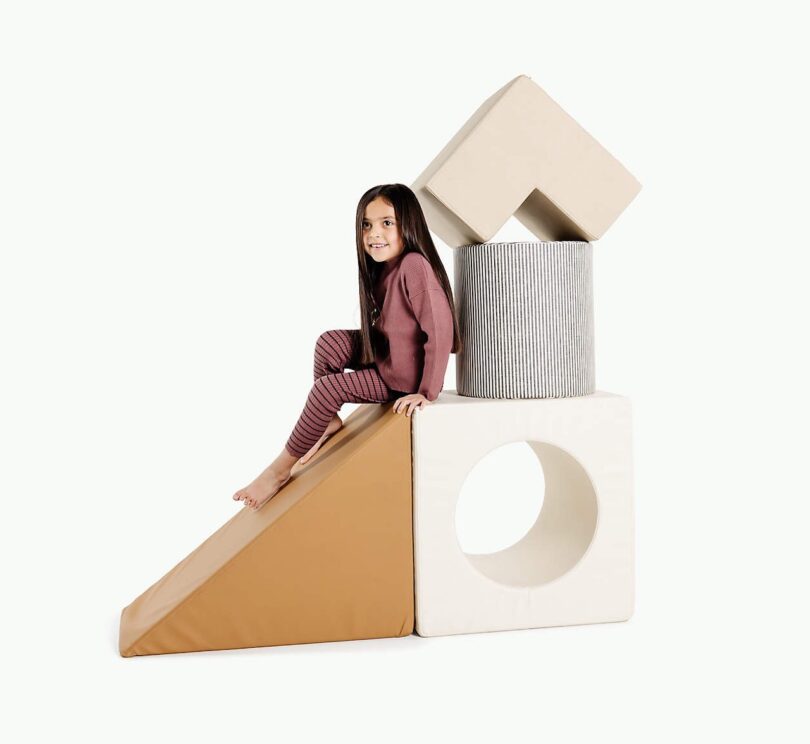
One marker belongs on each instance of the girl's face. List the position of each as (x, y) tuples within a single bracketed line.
[(381, 237)]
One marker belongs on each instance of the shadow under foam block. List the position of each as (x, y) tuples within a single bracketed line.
[(576, 563), (328, 558)]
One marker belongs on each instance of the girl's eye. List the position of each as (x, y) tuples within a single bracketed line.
[(389, 221)]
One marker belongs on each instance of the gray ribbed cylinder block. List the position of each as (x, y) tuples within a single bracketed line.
[(525, 314)]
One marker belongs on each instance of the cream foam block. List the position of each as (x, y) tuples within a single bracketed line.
[(575, 565), (521, 154)]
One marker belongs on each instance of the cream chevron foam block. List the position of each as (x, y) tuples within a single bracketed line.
[(520, 153), (575, 565), (525, 313)]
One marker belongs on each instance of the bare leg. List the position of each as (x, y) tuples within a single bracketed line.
[(268, 482)]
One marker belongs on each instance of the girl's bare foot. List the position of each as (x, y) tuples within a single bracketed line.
[(266, 485), (331, 428)]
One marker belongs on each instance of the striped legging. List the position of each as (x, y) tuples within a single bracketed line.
[(334, 352)]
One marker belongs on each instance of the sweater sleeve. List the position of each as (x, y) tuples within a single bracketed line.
[(435, 318)]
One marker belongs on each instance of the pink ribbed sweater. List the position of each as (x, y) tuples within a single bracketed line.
[(413, 335)]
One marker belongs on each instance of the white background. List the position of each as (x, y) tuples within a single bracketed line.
[(178, 186)]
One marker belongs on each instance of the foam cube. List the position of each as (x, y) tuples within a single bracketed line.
[(575, 565)]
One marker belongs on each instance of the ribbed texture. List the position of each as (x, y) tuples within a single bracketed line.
[(525, 315)]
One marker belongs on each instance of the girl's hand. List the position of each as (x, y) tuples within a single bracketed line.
[(410, 403)]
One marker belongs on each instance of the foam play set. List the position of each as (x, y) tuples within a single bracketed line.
[(361, 542)]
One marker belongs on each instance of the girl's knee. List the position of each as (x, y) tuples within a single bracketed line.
[(320, 341), (327, 340)]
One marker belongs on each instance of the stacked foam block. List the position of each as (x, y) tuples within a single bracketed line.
[(361, 542), (526, 374), (525, 315)]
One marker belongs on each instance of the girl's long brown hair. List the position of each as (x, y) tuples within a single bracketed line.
[(416, 239)]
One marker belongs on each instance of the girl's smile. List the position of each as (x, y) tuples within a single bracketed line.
[(381, 237)]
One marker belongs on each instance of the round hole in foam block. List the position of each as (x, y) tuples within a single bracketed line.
[(525, 314), (509, 480), (561, 532), (576, 564)]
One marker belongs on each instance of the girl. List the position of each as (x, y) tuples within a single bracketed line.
[(408, 330)]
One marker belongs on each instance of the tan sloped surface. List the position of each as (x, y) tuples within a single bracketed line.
[(328, 558)]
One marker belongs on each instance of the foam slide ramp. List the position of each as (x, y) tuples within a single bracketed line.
[(328, 558)]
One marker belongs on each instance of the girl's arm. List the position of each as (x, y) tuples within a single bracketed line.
[(432, 311)]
